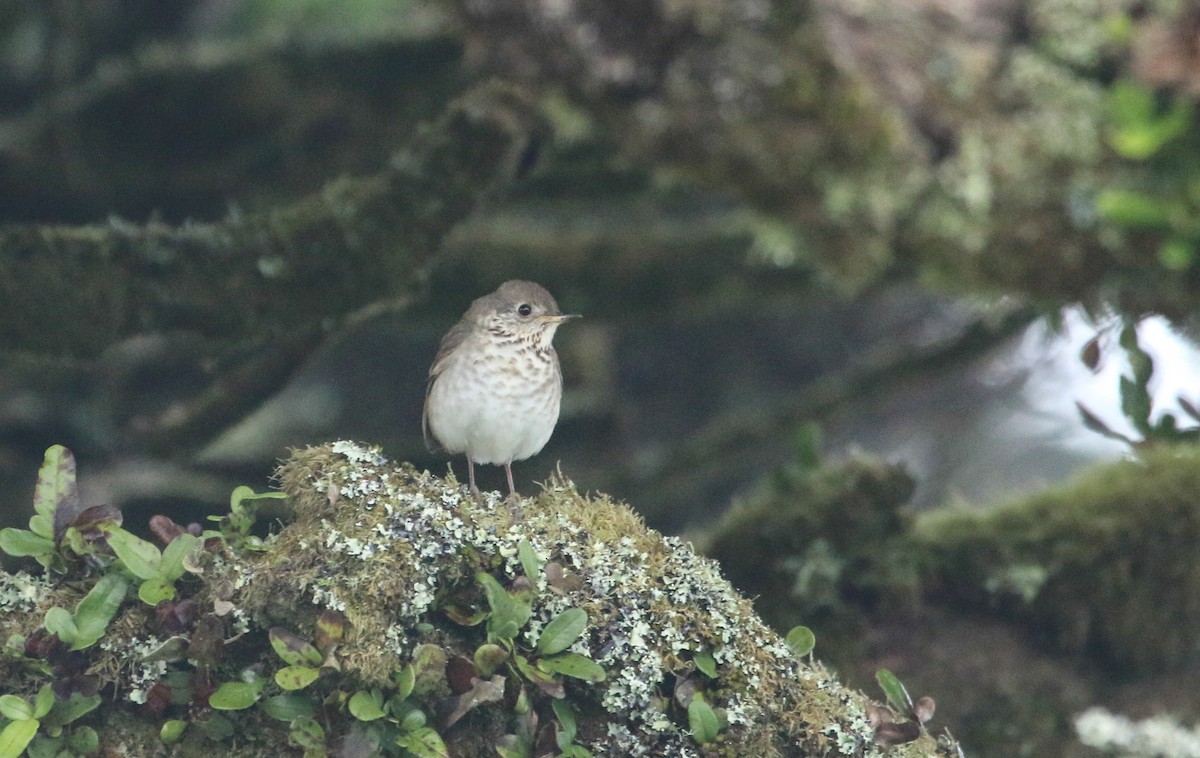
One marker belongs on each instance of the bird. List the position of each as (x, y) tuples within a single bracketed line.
[(495, 386)]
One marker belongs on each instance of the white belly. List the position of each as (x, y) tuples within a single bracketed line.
[(496, 416)]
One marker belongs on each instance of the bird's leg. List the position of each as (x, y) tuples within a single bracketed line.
[(514, 500), (471, 477), (512, 491)]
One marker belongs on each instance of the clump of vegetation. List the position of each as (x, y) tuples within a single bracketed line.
[(1091, 565), (823, 545), (396, 615), (1136, 401)]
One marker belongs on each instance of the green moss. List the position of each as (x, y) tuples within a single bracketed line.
[(1104, 565), (817, 547)]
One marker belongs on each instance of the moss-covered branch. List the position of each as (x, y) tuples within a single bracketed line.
[(1104, 565), (76, 289), (1063, 595), (184, 129), (395, 608)]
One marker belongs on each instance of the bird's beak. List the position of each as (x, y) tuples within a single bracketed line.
[(559, 319)]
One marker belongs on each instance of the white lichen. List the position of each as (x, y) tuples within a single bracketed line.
[(21, 592)]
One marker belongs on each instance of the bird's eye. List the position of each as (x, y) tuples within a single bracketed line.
[(524, 310)]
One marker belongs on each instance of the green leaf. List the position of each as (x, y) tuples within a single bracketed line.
[(497, 597), (55, 484), (234, 696), (702, 720), (509, 613), (1141, 130), (562, 631), (84, 741), (20, 543), (45, 746), (307, 733), (1135, 404), (366, 706), (289, 707), (174, 553), (801, 640), (60, 621), (296, 677), (573, 665), (705, 663), (1139, 360), (406, 679), (139, 556), (15, 708), (429, 668), (545, 681), (243, 494), (510, 746), (42, 526), (171, 731), (216, 727), (66, 711), (897, 695), (413, 720), (530, 562), (1133, 210), (154, 591), (489, 657), (43, 702), (16, 736), (423, 743), (293, 649), (97, 609), (567, 727)]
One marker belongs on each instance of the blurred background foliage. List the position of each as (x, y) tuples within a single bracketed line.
[(960, 238)]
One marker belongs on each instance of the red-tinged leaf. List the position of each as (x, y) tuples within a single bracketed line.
[(1094, 423), (482, 691), (295, 677), (208, 640), (331, 630), (293, 649), (91, 521), (897, 734), (464, 615), (924, 709), (460, 674), (1189, 408), (165, 529), (1090, 354), (56, 496), (546, 682)]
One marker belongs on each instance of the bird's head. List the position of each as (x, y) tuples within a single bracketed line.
[(525, 310)]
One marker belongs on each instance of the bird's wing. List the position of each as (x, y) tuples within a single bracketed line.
[(449, 343)]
